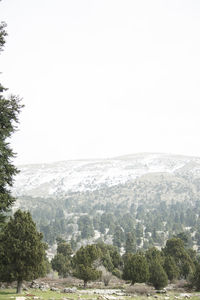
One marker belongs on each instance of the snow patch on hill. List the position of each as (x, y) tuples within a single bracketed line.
[(52, 180)]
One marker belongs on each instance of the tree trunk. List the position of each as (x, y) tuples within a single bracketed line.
[(85, 284), (19, 286)]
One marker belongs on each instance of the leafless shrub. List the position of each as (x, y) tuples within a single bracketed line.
[(180, 284), (139, 289), (106, 276)]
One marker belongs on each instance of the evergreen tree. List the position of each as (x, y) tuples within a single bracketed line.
[(195, 280), (136, 268), (153, 254), (65, 249), (175, 248), (73, 244), (86, 227), (62, 260), (118, 237), (22, 252), (110, 257), (3, 34), (9, 111), (170, 268), (158, 276), (83, 262), (61, 264), (130, 243), (186, 238)]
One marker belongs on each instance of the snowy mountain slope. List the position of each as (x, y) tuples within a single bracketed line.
[(55, 179)]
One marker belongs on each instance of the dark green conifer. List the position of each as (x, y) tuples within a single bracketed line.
[(157, 275), (130, 246), (62, 260), (136, 268), (171, 268), (9, 110), (22, 252), (84, 263)]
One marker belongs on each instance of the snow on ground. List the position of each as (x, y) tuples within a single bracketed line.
[(52, 179)]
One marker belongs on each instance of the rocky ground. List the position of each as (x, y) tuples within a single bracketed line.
[(72, 289)]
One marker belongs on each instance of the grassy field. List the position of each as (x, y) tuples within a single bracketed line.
[(50, 295), (11, 294)]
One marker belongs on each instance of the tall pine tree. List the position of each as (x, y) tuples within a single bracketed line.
[(9, 110)]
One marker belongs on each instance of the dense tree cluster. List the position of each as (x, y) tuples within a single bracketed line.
[(123, 213), (153, 266)]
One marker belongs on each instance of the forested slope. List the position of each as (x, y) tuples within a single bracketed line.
[(146, 198)]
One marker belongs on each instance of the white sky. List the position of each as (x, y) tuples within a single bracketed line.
[(103, 78)]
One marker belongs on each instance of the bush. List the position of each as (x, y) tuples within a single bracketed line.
[(139, 289), (105, 275), (180, 284)]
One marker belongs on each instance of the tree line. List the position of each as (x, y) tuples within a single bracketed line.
[(153, 266), (150, 223)]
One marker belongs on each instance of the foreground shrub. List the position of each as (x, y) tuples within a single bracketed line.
[(139, 289)]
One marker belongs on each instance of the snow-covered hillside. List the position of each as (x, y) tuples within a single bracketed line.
[(52, 180)]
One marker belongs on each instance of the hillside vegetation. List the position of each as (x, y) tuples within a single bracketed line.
[(148, 198)]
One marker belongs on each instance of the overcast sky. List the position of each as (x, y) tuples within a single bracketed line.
[(103, 78)]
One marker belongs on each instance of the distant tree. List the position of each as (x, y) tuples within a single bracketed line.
[(65, 249), (136, 268), (60, 240), (61, 264), (22, 252), (139, 230), (84, 263), (73, 244), (186, 238), (9, 110), (110, 257), (3, 35), (130, 246), (62, 260), (86, 227), (155, 236), (118, 237)]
